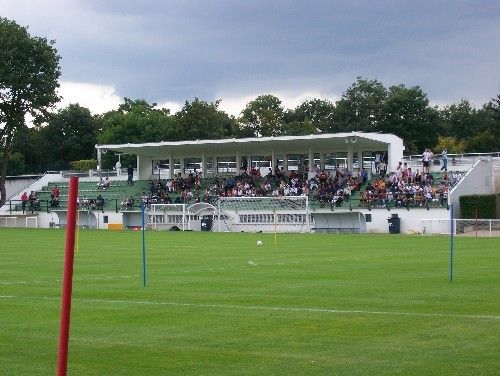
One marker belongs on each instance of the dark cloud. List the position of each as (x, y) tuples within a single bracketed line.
[(176, 50)]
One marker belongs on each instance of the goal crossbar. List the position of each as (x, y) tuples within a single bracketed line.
[(266, 214)]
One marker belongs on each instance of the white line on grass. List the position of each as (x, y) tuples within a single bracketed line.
[(263, 308)]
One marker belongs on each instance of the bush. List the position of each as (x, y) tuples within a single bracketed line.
[(83, 165), (484, 204)]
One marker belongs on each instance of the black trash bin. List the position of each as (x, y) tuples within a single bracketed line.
[(206, 223), (394, 224)]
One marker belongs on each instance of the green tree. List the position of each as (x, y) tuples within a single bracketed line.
[(70, 135), (361, 107), (452, 144), (263, 116), (17, 165), (461, 120), (29, 73), (483, 142), (299, 128), (488, 140), (29, 143), (408, 115), (202, 120), (318, 112), (135, 121)]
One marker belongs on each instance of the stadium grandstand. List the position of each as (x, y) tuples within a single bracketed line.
[(345, 182)]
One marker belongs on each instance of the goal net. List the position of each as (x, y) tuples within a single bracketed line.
[(8, 221), (166, 216), (182, 216), (461, 227), (31, 222), (266, 214)]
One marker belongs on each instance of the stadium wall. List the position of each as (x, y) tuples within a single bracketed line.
[(478, 180), (15, 184), (411, 220)]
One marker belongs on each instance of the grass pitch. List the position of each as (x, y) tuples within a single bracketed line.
[(217, 303)]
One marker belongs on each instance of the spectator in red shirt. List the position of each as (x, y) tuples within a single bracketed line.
[(24, 201)]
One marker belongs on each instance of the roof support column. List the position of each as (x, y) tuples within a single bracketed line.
[(238, 163), (321, 161), (349, 157), (171, 166), (99, 157), (285, 162), (144, 167), (182, 166), (203, 165), (273, 162), (310, 164)]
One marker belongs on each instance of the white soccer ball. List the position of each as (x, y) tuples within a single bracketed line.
[(259, 242)]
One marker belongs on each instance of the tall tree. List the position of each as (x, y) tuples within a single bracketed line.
[(488, 137), (318, 112), (135, 121), (263, 116), (70, 135), (407, 114), (461, 120), (29, 73), (361, 106), (202, 120)]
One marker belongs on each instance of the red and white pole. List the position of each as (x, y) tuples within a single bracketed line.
[(62, 359)]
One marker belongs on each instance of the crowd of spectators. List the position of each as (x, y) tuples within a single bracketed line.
[(326, 187), (401, 188), (97, 203), (407, 188), (185, 189), (31, 202)]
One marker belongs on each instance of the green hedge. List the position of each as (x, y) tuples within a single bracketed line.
[(83, 165), (484, 204)]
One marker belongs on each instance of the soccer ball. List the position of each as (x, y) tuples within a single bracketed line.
[(259, 242)]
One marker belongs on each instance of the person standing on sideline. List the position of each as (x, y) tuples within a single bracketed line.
[(426, 161), (130, 172), (377, 162), (24, 201), (444, 157), (118, 167)]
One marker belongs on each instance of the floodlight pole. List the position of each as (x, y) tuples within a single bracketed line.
[(62, 361)]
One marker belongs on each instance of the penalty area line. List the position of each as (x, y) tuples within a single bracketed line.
[(263, 308)]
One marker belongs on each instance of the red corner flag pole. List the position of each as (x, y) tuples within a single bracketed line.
[(62, 360)]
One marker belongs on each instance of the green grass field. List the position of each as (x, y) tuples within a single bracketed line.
[(217, 304)]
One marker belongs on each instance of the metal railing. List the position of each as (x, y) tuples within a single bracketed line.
[(48, 206), (464, 159), (406, 201)]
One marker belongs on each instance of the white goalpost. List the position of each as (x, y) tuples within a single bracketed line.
[(165, 216), (266, 214), (8, 221), (464, 227), (31, 222)]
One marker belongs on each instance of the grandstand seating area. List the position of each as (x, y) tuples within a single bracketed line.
[(89, 196), (339, 190)]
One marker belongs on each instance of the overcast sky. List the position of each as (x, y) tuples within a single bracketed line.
[(171, 51)]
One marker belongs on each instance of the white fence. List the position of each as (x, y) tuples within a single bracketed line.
[(461, 227)]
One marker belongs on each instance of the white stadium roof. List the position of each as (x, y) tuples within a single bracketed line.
[(256, 145)]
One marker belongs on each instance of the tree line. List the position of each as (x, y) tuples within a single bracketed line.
[(71, 133), (30, 70)]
